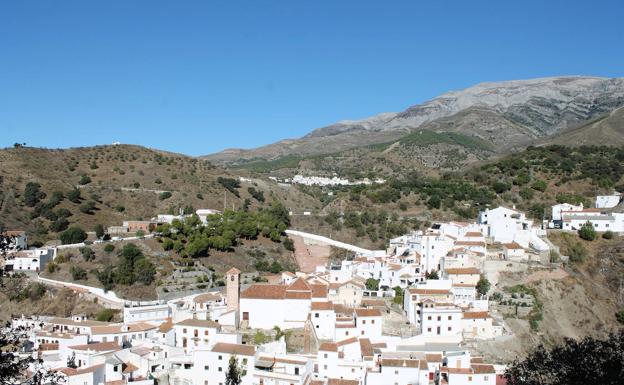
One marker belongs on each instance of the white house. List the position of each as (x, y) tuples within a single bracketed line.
[(33, 260), (155, 313), (608, 201)]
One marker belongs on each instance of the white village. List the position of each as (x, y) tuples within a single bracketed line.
[(407, 315)]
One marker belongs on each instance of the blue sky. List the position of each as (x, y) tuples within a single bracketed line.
[(199, 76)]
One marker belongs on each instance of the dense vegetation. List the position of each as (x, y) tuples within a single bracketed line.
[(586, 361), (193, 239), (533, 179), (133, 267)]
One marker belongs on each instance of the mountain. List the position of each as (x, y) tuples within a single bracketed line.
[(607, 130), (116, 183), (508, 115)]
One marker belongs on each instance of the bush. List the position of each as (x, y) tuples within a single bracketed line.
[(587, 232), (74, 195), (620, 316), (52, 267), (289, 244), (73, 235), (78, 273), (372, 284), (84, 179), (87, 253), (33, 194), (230, 184), (99, 230), (105, 315), (164, 195), (539, 185), (109, 248), (577, 252), (608, 234), (483, 286), (87, 207), (60, 224)]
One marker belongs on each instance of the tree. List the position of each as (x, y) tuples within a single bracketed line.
[(33, 194), (288, 244), (84, 179), (234, 373), (587, 232), (483, 286), (433, 274), (73, 235), (574, 362), (78, 273), (99, 230), (109, 248), (145, 271), (105, 315), (372, 284), (74, 195), (87, 253), (164, 195)]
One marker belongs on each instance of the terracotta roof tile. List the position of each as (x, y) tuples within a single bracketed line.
[(462, 270), (238, 349), (368, 312)]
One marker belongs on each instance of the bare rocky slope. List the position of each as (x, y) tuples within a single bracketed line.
[(508, 115)]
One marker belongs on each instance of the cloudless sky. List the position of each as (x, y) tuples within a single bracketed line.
[(199, 76)]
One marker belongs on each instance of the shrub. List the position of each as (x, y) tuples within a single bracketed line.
[(483, 286), (74, 195), (288, 244), (372, 284), (87, 253), (78, 273), (539, 185), (587, 232), (577, 252), (52, 267), (33, 194), (99, 230), (73, 235), (60, 224), (87, 207), (608, 234), (109, 248), (84, 179), (164, 195), (105, 315)]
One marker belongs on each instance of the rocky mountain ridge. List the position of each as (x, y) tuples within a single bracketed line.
[(507, 114)]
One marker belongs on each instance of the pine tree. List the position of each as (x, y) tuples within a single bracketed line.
[(233, 375)]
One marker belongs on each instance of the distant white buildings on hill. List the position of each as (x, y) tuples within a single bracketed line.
[(325, 181)]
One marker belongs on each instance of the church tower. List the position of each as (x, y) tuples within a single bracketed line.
[(233, 288)]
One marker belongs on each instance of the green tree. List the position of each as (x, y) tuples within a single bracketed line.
[(109, 248), (73, 235), (74, 195), (372, 284), (288, 244), (105, 315), (145, 271), (433, 274), (587, 232), (84, 179), (33, 194), (87, 253), (577, 252), (78, 273), (234, 374), (539, 185), (483, 286), (99, 230)]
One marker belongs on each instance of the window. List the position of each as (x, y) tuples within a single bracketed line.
[(428, 329), (396, 372), (346, 333), (449, 328), (485, 378), (325, 355), (316, 315), (429, 318), (363, 322), (439, 318), (469, 378), (220, 358), (373, 321), (205, 332), (184, 330), (297, 371), (220, 369), (206, 367), (449, 318), (115, 368), (362, 332)]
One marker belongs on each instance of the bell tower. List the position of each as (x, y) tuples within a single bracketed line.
[(232, 288)]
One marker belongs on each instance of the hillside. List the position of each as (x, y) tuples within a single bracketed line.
[(116, 183), (507, 115), (606, 130)]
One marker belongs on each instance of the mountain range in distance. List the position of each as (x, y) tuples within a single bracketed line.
[(501, 117)]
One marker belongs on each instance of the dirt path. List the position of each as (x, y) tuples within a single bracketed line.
[(309, 256)]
